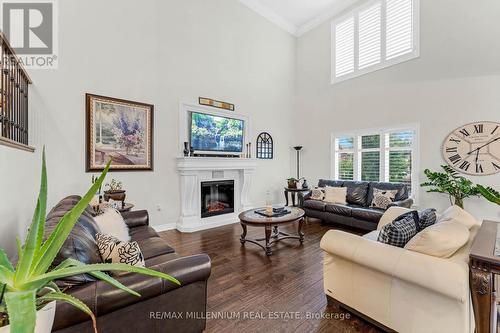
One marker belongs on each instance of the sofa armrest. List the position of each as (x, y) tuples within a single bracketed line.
[(403, 203), (442, 276), (303, 196), (103, 298), (136, 218)]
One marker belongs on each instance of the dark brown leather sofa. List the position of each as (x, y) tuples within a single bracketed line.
[(162, 307), (356, 213)]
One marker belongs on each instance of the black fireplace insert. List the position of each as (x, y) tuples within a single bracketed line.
[(217, 198)]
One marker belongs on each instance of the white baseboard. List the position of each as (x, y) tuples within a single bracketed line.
[(164, 227)]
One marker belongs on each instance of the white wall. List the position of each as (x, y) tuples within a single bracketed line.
[(158, 52), (455, 81)]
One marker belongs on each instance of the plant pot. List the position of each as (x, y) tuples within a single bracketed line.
[(292, 184), (116, 195), (44, 319)]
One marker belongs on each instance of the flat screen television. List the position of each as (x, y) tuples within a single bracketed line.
[(217, 134)]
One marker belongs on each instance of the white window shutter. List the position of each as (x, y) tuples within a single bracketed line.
[(399, 28), (344, 47), (369, 36)]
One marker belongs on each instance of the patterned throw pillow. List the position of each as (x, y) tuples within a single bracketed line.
[(427, 218), (318, 193), (383, 198), (114, 251), (400, 231)]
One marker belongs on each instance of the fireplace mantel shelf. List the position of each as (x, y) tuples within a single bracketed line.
[(215, 163)]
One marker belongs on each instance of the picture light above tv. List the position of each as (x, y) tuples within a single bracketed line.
[(216, 134)]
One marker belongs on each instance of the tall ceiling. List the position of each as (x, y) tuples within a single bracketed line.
[(298, 16)]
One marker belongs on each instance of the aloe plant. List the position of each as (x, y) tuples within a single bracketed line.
[(489, 194), (30, 283)]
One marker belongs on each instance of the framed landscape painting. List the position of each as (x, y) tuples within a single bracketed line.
[(119, 130)]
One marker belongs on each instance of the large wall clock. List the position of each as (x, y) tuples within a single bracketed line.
[(474, 149)]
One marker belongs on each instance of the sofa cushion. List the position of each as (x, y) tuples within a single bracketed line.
[(339, 209), (115, 251), (335, 195), (457, 214), (331, 183), (315, 204), (357, 192), (111, 222), (383, 198), (80, 244), (440, 240), (318, 193), (426, 218), (400, 231), (367, 214), (141, 233), (402, 189), (153, 247), (372, 235)]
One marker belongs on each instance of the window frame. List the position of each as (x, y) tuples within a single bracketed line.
[(354, 12), (384, 153)]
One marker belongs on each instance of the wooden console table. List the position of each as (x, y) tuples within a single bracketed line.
[(484, 265)]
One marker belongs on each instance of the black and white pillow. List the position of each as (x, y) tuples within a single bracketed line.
[(318, 193), (427, 217), (383, 198), (401, 230), (115, 251)]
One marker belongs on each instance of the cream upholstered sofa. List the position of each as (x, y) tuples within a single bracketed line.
[(395, 288)]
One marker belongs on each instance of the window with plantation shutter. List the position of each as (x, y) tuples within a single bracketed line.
[(369, 36), (344, 44), (388, 155), (399, 29), (375, 35)]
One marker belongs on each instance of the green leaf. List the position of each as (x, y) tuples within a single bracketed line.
[(489, 194), (102, 276), (41, 280), (21, 309), (56, 240), (35, 232), (58, 296), (4, 261), (6, 276)]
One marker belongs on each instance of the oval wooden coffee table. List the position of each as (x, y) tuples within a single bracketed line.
[(271, 227)]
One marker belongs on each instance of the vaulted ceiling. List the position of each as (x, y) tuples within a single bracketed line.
[(298, 16)]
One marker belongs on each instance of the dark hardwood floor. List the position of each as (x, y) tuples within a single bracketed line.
[(289, 284)]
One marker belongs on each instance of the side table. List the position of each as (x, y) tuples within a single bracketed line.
[(293, 192), (484, 265)]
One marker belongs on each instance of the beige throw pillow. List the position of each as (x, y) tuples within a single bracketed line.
[(111, 223), (114, 251), (458, 215), (318, 194), (440, 240), (336, 195)]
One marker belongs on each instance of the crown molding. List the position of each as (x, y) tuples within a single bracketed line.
[(291, 28), (325, 16), (271, 16)]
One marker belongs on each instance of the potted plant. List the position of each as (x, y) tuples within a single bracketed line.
[(489, 194), (292, 182), (450, 182), (28, 291), (115, 191)]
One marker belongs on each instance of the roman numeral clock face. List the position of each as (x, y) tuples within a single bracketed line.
[(474, 149)]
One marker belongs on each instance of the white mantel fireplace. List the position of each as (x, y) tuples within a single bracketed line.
[(194, 171)]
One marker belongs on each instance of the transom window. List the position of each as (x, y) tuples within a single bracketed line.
[(375, 35), (388, 155)]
